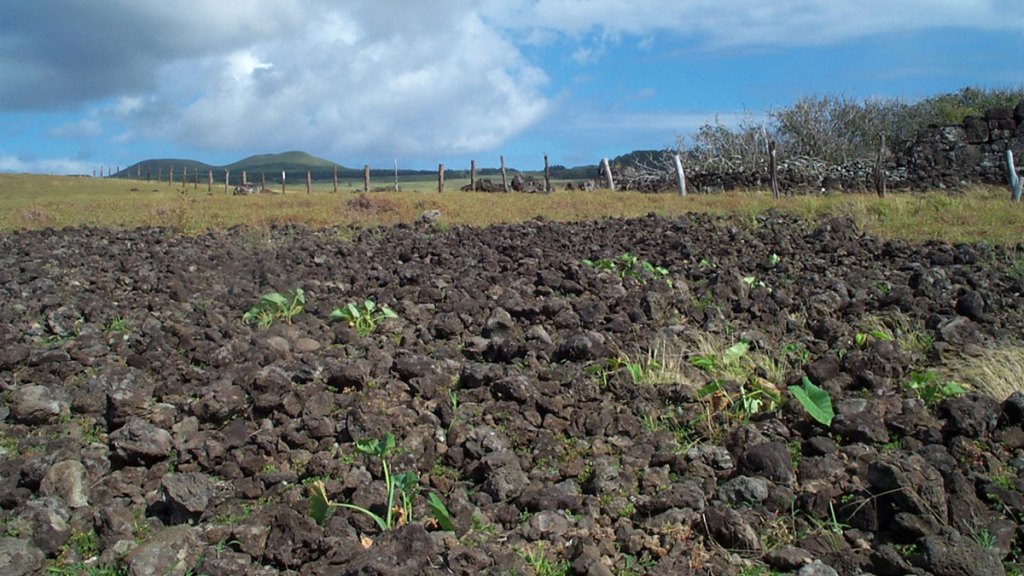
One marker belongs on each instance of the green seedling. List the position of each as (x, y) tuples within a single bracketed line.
[(402, 487), (927, 386), (628, 265), (364, 319), (815, 400), (273, 306)]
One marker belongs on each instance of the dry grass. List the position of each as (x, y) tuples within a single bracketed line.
[(997, 371), (32, 202)]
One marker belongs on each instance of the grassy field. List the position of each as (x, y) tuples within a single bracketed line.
[(32, 202)]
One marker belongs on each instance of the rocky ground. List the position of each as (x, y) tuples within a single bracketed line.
[(629, 415)]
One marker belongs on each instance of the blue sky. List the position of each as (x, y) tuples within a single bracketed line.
[(112, 82)]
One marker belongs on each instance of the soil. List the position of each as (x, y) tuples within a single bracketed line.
[(565, 413)]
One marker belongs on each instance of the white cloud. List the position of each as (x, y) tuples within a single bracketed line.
[(721, 23), (430, 80), (44, 165)]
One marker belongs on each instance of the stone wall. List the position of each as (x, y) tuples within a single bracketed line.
[(969, 153)]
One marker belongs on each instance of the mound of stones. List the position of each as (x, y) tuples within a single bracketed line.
[(539, 380)]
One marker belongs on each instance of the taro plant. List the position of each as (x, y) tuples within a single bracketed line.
[(815, 400), (401, 490), (628, 265), (273, 306), (363, 318), (928, 387)]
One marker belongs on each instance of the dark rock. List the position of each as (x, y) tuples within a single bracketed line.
[(173, 551), (140, 443), (187, 496), (953, 555), (19, 557), (973, 415), (36, 405), (731, 529), (401, 552), (772, 461)]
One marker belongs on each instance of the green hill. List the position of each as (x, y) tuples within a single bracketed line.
[(289, 161)]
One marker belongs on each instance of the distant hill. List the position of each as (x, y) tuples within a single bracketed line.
[(270, 164), (297, 163)]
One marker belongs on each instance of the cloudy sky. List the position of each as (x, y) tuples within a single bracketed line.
[(96, 83)]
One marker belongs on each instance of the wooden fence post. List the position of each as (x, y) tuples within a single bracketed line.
[(195, 179), (245, 179), (138, 172), (680, 175), (772, 170), (547, 175), (227, 179), (209, 182), (170, 176), (440, 178), (396, 174), (282, 182), (366, 177), (504, 176), (309, 181), (335, 178), (879, 176), (1015, 182), (263, 182), (472, 175), (608, 174)]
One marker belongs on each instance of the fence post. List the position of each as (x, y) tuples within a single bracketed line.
[(547, 175), (472, 175), (680, 175), (282, 182), (138, 172), (209, 182), (366, 177), (396, 174), (608, 174), (245, 179), (772, 169), (880, 171), (504, 176), (440, 178), (227, 178), (1015, 182), (334, 177), (309, 181), (263, 182)]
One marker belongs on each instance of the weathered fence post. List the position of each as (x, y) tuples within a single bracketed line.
[(547, 175), (184, 176), (504, 176), (607, 168), (440, 178), (227, 179), (209, 182), (282, 182), (396, 174), (159, 175), (472, 175), (680, 175), (309, 181), (195, 179), (263, 181), (773, 170), (334, 178), (366, 177), (1015, 182), (880, 170), (245, 179), (138, 172)]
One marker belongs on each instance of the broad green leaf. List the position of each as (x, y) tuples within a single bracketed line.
[(735, 352), (406, 481), (275, 299), (370, 305), (440, 512), (815, 400), (319, 504)]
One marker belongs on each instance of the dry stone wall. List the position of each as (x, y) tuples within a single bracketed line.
[(971, 152)]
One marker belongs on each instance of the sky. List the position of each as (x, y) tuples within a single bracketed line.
[(107, 83)]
